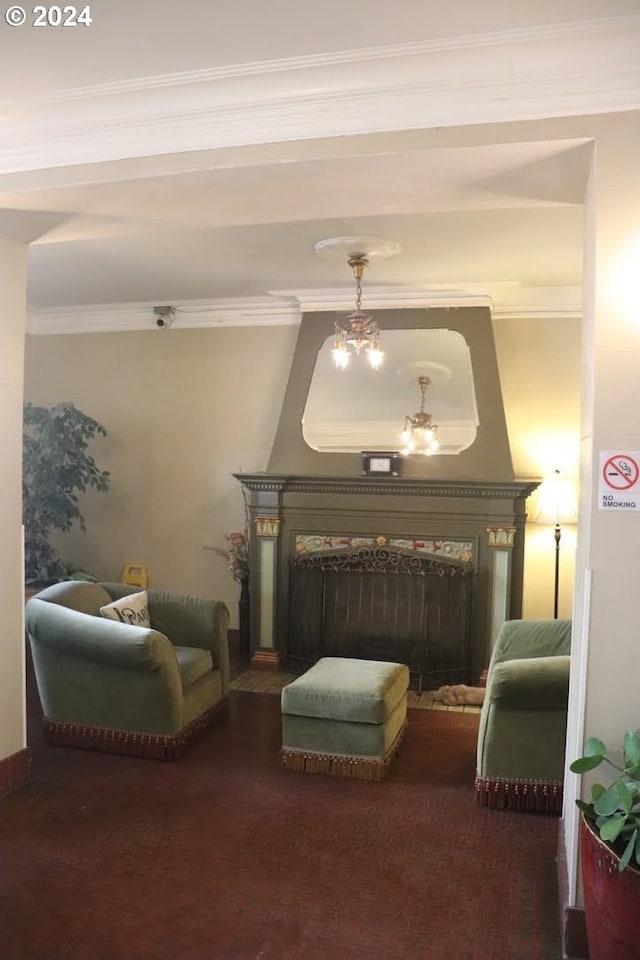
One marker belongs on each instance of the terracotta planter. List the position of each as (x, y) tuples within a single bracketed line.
[(611, 901)]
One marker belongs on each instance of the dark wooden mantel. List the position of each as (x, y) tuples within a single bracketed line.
[(385, 486)]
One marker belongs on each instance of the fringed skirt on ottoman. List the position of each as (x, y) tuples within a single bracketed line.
[(344, 717)]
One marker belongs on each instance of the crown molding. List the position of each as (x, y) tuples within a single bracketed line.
[(537, 303), (585, 28), (384, 298), (505, 299), (578, 68), (317, 116), (285, 308), (190, 315)]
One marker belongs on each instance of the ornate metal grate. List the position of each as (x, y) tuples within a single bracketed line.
[(382, 604)]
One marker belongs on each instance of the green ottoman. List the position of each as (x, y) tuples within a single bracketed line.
[(344, 717)]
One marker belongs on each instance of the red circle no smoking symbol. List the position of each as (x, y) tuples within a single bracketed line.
[(620, 472)]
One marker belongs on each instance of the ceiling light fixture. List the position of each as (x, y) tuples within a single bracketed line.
[(420, 432), (358, 329)]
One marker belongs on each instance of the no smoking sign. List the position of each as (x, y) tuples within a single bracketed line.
[(619, 487)]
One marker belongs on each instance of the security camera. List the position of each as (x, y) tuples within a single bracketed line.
[(165, 316)]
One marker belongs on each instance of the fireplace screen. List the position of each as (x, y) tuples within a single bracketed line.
[(381, 604)]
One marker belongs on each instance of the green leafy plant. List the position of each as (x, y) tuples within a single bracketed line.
[(56, 468), (615, 810)]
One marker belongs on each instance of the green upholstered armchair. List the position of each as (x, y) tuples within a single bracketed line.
[(111, 686), (523, 723)]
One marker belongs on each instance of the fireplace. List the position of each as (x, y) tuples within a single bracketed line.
[(378, 602), (318, 539)]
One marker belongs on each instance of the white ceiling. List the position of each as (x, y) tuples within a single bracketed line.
[(172, 153)]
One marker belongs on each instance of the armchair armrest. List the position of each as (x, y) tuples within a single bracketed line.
[(193, 622), (541, 683), (96, 639), (187, 622)]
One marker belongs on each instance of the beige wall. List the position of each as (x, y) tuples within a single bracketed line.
[(13, 258), (539, 360), (183, 410), (540, 366)]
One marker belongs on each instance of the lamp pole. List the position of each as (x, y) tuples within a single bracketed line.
[(556, 505), (556, 535)]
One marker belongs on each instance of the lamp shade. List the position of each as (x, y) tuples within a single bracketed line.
[(556, 503)]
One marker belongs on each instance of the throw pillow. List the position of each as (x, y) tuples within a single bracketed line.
[(133, 610)]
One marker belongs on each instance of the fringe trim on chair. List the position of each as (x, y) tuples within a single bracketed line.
[(339, 764), (534, 796), (156, 746)]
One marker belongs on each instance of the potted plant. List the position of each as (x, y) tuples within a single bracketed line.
[(610, 847), (56, 468)]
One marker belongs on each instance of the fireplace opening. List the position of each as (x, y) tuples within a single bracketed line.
[(382, 604)]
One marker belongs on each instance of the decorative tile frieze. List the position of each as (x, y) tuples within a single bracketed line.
[(335, 543)]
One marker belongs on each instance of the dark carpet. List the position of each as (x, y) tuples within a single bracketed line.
[(224, 856)]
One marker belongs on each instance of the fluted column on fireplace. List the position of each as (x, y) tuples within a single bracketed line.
[(267, 530), (501, 541), (263, 501)]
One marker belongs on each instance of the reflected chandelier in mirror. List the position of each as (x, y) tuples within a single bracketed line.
[(348, 414), (420, 434)]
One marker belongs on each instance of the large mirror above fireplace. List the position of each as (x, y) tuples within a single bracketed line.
[(308, 438), (357, 409)]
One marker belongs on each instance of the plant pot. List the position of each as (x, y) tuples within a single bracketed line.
[(611, 900)]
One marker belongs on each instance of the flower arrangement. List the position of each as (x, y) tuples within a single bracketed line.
[(237, 554)]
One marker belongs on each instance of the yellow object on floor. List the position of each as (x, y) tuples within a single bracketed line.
[(135, 575)]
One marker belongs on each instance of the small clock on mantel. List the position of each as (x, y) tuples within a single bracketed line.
[(378, 463)]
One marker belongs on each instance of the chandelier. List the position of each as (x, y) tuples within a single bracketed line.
[(358, 329), (420, 432)]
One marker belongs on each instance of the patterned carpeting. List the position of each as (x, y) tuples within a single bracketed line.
[(272, 681), (222, 855)]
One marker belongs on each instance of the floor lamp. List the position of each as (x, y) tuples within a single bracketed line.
[(556, 506)]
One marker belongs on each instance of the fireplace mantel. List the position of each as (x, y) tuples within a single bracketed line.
[(285, 508), (273, 483)]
